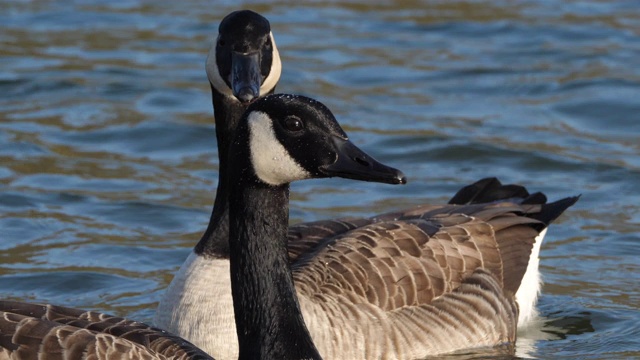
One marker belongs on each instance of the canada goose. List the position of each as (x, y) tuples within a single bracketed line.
[(197, 304), (282, 138), (242, 65)]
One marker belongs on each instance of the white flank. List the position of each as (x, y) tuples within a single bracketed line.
[(198, 306), (527, 295), (216, 80), (272, 163)]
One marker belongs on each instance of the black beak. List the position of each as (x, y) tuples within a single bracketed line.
[(245, 76), (353, 163)]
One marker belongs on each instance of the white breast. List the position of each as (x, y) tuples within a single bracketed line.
[(198, 306)]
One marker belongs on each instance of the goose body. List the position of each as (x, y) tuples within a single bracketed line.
[(197, 304)]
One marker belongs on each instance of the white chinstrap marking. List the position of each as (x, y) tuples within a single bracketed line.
[(527, 294), (216, 80), (274, 73), (213, 72), (198, 306), (271, 162)]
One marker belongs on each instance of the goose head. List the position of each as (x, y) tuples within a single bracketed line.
[(293, 137), (243, 63)]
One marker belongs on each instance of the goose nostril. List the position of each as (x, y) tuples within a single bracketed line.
[(362, 162)]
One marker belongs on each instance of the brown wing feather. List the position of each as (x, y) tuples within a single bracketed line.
[(505, 213), (28, 330), (412, 257), (478, 311), (426, 280), (305, 236)]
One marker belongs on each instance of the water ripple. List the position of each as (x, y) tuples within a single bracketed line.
[(108, 162)]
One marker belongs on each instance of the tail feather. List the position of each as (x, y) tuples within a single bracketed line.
[(551, 211)]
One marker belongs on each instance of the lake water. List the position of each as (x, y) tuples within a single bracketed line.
[(108, 161)]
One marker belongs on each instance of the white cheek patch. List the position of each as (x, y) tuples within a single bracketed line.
[(214, 75), (218, 82), (276, 69), (272, 163)]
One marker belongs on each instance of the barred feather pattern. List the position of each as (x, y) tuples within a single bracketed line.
[(36, 331), (478, 313), (430, 280)]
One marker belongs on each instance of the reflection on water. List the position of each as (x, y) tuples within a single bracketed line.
[(108, 160)]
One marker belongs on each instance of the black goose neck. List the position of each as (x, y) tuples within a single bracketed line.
[(227, 111), (268, 317), (215, 240)]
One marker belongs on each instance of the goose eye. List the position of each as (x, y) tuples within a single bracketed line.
[(221, 42), (293, 123), (268, 42)]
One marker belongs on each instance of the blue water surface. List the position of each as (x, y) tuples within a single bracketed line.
[(108, 162)]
